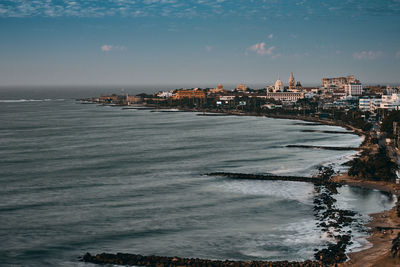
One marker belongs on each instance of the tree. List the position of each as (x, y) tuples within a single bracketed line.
[(387, 123)]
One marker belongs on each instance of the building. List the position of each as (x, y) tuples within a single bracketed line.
[(340, 82), (165, 94), (241, 87), (278, 85), (227, 97), (190, 94), (366, 104), (133, 99), (353, 89), (219, 89), (283, 96), (109, 98), (390, 102), (292, 83), (299, 88)]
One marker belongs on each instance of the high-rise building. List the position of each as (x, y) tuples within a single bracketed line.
[(340, 82), (354, 89)]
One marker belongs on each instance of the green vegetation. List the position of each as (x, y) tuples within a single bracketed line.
[(355, 118), (376, 167), (387, 122)]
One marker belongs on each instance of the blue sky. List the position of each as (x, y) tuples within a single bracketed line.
[(197, 42)]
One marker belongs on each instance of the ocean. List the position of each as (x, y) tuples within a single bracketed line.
[(79, 178)]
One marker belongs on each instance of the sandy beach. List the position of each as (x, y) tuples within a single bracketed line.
[(378, 254), (381, 240)]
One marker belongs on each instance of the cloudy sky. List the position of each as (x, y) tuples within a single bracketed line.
[(197, 42)]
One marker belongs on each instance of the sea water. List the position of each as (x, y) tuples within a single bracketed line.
[(77, 178)]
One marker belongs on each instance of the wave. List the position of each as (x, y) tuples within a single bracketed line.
[(297, 238), (29, 100), (298, 191)]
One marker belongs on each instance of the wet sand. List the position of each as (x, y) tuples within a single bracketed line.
[(378, 253)]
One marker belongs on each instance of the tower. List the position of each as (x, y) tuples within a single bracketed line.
[(292, 83)]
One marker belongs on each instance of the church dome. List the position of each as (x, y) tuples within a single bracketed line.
[(278, 83)]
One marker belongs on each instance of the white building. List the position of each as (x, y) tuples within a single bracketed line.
[(283, 96), (353, 89), (390, 102), (364, 104), (278, 86), (165, 94), (227, 97), (369, 104)]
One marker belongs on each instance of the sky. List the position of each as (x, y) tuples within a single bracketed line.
[(197, 42)]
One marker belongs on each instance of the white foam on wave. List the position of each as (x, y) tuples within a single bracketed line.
[(288, 171), (302, 192), (29, 100), (360, 242), (302, 236)]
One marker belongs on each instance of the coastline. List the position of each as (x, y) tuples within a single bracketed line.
[(377, 253)]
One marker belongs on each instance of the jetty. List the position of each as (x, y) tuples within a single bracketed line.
[(265, 177), (159, 261), (325, 147)]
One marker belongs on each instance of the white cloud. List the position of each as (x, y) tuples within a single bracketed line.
[(203, 8), (108, 48), (367, 55), (261, 49)]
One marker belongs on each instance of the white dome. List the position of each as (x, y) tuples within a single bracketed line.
[(278, 83)]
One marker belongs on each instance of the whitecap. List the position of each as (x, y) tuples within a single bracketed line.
[(299, 191), (29, 100)]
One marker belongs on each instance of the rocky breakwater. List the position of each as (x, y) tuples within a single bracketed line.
[(332, 220), (339, 148), (159, 261), (263, 177)]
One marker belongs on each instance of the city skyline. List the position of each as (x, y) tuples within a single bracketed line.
[(150, 42)]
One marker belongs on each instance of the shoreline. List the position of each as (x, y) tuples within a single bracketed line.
[(377, 251)]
